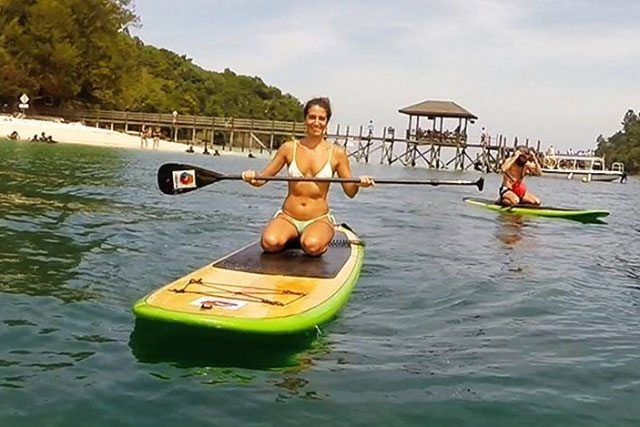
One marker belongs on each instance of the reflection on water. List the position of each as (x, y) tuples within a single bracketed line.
[(183, 346), (214, 357), (510, 229), (44, 215)]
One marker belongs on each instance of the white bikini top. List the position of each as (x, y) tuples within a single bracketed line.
[(325, 172)]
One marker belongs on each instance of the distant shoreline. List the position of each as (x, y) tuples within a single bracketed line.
[(77, 133)]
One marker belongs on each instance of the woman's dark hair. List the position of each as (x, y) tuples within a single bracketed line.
[(320, 102)]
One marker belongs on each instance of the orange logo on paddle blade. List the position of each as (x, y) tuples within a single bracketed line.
[(186, 178)]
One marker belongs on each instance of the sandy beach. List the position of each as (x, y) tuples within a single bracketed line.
[(77, 133)]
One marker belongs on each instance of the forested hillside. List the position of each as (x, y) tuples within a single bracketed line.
[(79, 53), (624, 145)]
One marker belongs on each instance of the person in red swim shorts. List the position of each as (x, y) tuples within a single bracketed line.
[(513, 191)]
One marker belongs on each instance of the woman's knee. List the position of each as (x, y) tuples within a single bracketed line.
[(271, 242), (311, 245), (509, 200)]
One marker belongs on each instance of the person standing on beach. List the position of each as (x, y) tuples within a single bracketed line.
[(156, 138), (305, 213), (513, 191), (143, 136)]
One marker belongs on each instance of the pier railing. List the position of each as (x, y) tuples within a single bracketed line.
[(225, 131), (185, 121), (246, 133)]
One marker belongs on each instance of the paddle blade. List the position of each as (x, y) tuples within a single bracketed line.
[(176, 178)]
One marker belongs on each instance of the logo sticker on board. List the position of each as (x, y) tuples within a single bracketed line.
[(184, 179), (209, 303)]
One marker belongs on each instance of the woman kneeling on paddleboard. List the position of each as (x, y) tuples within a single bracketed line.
[(305, 213), (514, 169)]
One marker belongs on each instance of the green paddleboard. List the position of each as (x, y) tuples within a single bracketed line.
[(544, 211), (254, 292)]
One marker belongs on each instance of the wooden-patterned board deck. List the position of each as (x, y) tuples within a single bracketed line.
[(224, 294)]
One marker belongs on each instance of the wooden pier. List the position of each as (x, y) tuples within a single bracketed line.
[(227, 132), (437, 147), (482, 156)]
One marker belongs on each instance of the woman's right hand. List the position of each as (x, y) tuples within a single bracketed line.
[(249, 176), (366, 181)]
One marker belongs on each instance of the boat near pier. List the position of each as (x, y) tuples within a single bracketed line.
[(585, 168)]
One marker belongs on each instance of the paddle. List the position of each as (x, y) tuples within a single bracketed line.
[(175, 178)]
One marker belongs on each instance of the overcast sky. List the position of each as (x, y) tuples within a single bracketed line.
[(561, 71)]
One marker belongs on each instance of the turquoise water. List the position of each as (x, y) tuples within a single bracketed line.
[(461, 316)]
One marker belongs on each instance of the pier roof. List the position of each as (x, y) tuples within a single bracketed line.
[(437, 109)]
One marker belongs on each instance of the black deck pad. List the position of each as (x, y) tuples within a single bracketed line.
[(292, 261)]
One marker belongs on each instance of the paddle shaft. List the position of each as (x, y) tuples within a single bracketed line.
[(176, 178), (353, 180)]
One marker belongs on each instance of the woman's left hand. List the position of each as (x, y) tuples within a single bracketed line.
[(367, 181)]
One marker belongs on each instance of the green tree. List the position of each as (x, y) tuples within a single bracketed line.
[(168, 81), (624, 145), (78, 53), (69, 50)]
